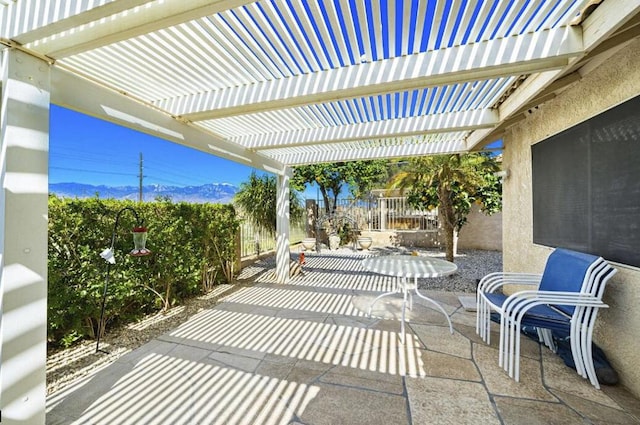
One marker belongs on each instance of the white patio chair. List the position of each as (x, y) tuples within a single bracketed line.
[(567, 297)]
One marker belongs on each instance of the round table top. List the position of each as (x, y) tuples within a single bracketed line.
[(409, 266)]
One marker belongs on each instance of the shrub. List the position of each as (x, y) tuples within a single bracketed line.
[(193, 248)]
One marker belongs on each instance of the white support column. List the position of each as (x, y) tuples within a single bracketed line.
[(24, 178), (282, 226)]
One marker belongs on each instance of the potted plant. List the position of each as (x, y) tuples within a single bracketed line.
[(334, 241), (364, 242), (309, 243)]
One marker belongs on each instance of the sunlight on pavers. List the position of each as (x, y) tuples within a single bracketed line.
[(369, 349), (293, 299), (167, 390)]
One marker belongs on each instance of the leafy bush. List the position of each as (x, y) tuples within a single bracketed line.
[(193, 247)]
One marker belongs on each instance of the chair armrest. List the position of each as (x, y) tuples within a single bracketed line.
[(522, 301), (494, 281)]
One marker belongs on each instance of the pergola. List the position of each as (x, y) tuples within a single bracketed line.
[(271, 84)]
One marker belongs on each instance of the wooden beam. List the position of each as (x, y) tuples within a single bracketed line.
[(496, 133), (618, 39), (606, 19)]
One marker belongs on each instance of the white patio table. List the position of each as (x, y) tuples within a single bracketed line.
[(405, 267)]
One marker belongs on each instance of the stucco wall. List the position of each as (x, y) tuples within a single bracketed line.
[(616, 80), (481, 231)]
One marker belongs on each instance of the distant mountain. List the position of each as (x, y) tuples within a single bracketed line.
[(219, 193)]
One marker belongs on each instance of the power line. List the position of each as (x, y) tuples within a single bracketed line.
[(166, 180), (96, 160), (92, 171), (83, 155), (167, 168), (154, 166)]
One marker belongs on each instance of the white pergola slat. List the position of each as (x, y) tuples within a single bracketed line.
[(604, 21), (131, 22), (20, 21)]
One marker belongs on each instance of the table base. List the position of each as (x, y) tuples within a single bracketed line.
[(407, 294)]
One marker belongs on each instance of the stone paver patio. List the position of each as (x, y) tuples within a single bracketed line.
[(306, 353)]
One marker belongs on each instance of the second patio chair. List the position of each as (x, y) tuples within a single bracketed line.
[(567, 296)]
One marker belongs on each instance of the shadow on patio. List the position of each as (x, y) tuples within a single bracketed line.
[(306, 353)]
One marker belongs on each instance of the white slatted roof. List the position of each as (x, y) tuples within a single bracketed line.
[(274, 83)]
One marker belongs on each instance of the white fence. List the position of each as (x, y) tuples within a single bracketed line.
[(381, 214), (374, 214), (396, 214), (255, 240)]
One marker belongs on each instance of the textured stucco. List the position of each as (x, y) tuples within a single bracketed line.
[(481, 231), (616, 80)]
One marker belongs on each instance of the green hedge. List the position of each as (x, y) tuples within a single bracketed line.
[(193, 248)]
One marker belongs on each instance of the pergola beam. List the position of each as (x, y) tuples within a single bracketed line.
[(402, 150), (401, 127), (523, 54), (606, 19), (74, 92), (132, 23), (43, 26)]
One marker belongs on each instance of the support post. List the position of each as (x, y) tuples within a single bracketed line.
[(24, 180), (282, 226), (383, 213)]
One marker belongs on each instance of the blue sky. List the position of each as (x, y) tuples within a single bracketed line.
[(83, 149)]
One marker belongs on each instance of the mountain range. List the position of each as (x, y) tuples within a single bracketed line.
[(219, 193)]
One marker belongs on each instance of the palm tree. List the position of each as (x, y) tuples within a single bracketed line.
[(257, 199), (452, 183)]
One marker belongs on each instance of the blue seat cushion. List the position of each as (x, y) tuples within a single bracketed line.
[(565, 270)]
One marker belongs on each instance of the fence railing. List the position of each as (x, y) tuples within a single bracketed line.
[(395, 213), (374, 214), (255, 240), (379, 214)]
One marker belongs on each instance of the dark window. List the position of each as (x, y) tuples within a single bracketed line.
[(586, 186)]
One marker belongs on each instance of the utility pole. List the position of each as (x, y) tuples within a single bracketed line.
[(140, 176)]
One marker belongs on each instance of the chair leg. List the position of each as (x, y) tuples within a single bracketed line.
[(483, 320), (513, 346), (503, 341), (516, 354), (546, 336), (577, 343), (587, 354)]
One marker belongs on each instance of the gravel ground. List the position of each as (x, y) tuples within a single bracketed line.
[(472, 266), (66, 366)]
